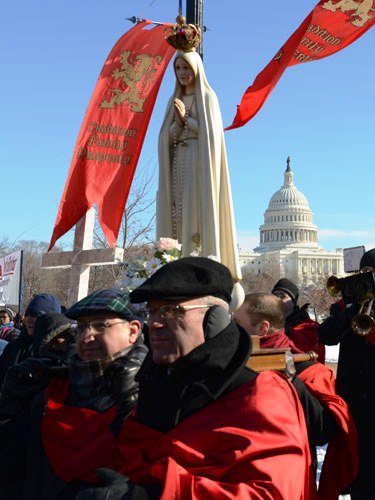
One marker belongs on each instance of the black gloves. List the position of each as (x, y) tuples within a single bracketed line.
[(116, 487), (22, 382)]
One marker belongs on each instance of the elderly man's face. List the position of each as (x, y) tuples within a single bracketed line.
[(103, 335), (174, 337)]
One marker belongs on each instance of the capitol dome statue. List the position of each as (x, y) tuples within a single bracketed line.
[(288, 219), (288, 241)]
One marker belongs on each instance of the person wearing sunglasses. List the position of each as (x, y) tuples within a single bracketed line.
[(205, 426)]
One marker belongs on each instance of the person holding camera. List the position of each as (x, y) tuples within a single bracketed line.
[(356, 373)]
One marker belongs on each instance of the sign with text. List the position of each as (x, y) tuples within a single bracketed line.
[(10, 278), (113, 130), (331, 26)]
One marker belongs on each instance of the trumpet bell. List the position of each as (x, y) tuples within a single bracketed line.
[(363, 324), (333, 286)]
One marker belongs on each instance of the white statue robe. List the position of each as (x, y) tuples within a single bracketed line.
[(201, 190)]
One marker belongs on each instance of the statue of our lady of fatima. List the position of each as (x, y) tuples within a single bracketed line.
[(194, 201)]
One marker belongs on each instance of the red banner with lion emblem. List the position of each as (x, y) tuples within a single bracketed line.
[(113, 130), (331, 26)]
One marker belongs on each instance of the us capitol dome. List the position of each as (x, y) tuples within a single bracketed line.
[(288, 219), (288, 240)]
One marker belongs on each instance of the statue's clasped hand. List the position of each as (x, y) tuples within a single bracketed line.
[(179, 111)]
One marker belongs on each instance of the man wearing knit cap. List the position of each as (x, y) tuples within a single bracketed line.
[(205, 425), (20, 349), (355, 379), (300, 328)]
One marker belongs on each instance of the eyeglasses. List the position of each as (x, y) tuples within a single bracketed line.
[(172, 311), (96, 326), (367, 269)]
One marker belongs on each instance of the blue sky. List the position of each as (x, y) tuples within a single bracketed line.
[(320, 114)]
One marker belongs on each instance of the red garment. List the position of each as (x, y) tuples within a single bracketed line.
[(330, 27), (341, 460), (113, 130), (250, 444), (305, 337), (278, 340), (76, 440)]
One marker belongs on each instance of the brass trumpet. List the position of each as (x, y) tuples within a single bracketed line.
[(333, 286), (363, 323), (354, 288), (358, 288)]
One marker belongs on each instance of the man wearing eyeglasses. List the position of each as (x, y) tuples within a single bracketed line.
[(75, 421), (205, 426)]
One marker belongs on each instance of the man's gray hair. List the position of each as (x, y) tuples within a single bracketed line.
[(214, 301)]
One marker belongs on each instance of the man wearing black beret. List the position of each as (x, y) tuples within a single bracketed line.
[(205, 425)]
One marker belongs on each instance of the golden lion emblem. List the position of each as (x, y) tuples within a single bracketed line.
[(137, 74), (361, 10)]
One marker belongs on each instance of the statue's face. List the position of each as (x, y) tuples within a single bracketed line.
[(184, 73)]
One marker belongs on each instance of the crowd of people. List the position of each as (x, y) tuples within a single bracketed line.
[(102, 401)]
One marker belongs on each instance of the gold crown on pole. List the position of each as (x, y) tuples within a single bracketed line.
[(182, 36)]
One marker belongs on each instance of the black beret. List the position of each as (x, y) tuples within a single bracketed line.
[(186, 278), (288, 287), (368, 259)]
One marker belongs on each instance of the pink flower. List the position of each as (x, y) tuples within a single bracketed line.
[(167, 244)]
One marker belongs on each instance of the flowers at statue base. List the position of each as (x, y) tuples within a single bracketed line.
[(140, 268)]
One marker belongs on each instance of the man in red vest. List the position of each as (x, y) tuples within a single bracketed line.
[(262, 314)]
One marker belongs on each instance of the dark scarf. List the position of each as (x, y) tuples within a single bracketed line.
[(90, 381), (169, 394)]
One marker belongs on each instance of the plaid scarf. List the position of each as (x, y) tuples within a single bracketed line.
[(91, 381)]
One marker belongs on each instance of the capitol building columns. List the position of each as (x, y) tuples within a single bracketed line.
[(288, 239)]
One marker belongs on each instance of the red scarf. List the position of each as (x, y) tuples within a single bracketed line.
[(278, 340), (76, 440), (244, 445)]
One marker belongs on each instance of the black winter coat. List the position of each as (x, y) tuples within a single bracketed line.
[(15, 352), (32, 474), (355, 383)]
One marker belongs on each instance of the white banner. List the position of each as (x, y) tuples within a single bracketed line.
[(10, 278)]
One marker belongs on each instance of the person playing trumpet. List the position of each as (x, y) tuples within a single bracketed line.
[(355, 379)]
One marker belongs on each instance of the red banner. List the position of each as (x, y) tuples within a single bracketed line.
[(113, 130), (331, 26)]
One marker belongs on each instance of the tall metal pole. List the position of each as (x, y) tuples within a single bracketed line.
[(194, 15)]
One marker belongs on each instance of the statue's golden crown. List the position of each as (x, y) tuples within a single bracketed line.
[(182, 36)]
